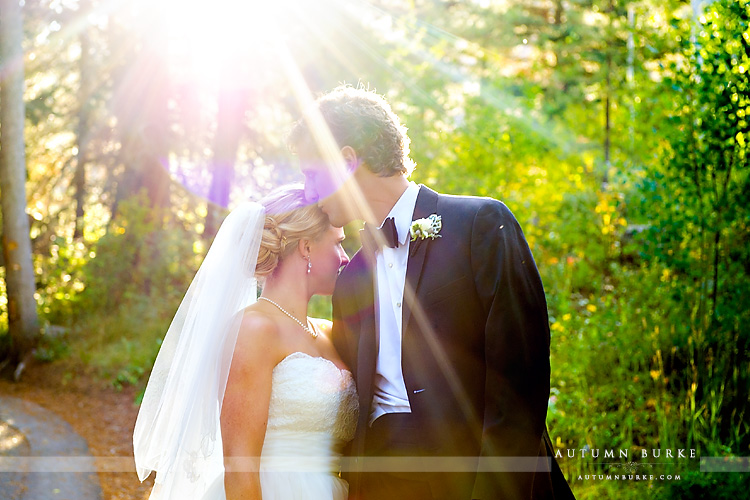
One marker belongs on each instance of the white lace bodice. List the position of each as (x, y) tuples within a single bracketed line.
[(311, 394), (313, 411)]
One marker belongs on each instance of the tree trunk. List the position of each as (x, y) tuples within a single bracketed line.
[(154, 174), (23, 321), (630, 75), (607, 124), (607, 103), (85, 92), (232, 106), (141, 107)]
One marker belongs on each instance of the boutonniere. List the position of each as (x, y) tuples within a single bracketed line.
[(426, 228)]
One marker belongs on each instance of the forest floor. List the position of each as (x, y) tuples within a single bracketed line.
[(101, 414)]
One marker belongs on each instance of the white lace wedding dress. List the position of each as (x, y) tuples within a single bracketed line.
[(312, 414)]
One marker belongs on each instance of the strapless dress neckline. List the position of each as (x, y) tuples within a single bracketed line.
[(301, 354), (312, 413)]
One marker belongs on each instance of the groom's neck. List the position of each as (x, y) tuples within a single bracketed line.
[(381, 194)]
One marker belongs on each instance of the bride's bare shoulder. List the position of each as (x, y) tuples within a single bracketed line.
[(258, 336), (259, 322)]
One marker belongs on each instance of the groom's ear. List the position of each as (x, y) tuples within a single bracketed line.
[(350, 158)]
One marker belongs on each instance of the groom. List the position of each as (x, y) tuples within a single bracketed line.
[(441, 316)]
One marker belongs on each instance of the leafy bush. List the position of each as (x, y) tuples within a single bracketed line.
[(695, 485), (141, 257), (134, 281)]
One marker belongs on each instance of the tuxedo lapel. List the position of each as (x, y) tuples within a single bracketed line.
[(363, 291), (426, 205), (368, 345)]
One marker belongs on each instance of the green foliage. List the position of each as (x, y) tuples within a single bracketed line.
[(52, 346), (60, 280), (320, 307), (699, 485), (5, 341), (139, 259), (649, 344), (121, 347), (647, 309), (700, 231), (135, 279)]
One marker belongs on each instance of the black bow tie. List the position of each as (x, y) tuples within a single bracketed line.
[(375, 238)]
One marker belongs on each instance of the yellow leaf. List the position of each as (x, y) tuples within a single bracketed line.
[(591, 307)]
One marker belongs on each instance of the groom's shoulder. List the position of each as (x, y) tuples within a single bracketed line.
[(473, 205)]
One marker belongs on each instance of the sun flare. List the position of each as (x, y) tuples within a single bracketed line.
[(209, 44)]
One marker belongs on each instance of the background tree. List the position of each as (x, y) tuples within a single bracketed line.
[(85, 118), (23, 322), (701, 233), (230, 116)]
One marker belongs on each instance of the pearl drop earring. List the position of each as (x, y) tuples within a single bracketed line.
[(309, 265)]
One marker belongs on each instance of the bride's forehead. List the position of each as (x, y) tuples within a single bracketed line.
[(334, 233)]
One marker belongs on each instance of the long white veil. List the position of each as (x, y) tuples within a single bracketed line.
[(178, 432)]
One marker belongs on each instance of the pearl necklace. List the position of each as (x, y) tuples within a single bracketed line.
[(306, 328)]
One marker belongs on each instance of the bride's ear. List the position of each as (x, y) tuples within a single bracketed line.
[(303, 248)]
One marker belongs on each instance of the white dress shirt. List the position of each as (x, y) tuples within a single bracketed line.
[(390, 270)]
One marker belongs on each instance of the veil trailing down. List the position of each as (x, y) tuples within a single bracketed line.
[(178, 430)]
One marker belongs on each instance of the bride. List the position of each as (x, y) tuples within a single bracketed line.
[(252, 386)]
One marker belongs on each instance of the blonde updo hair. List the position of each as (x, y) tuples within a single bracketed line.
[(289, 219)]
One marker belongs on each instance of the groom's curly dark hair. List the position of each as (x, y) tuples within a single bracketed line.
[(362, 119)]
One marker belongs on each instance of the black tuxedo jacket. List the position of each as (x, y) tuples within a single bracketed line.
[(475, 350)]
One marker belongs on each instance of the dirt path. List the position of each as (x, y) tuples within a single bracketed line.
[(103, 416)]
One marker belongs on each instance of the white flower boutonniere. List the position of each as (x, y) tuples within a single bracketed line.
[(426, 228)]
